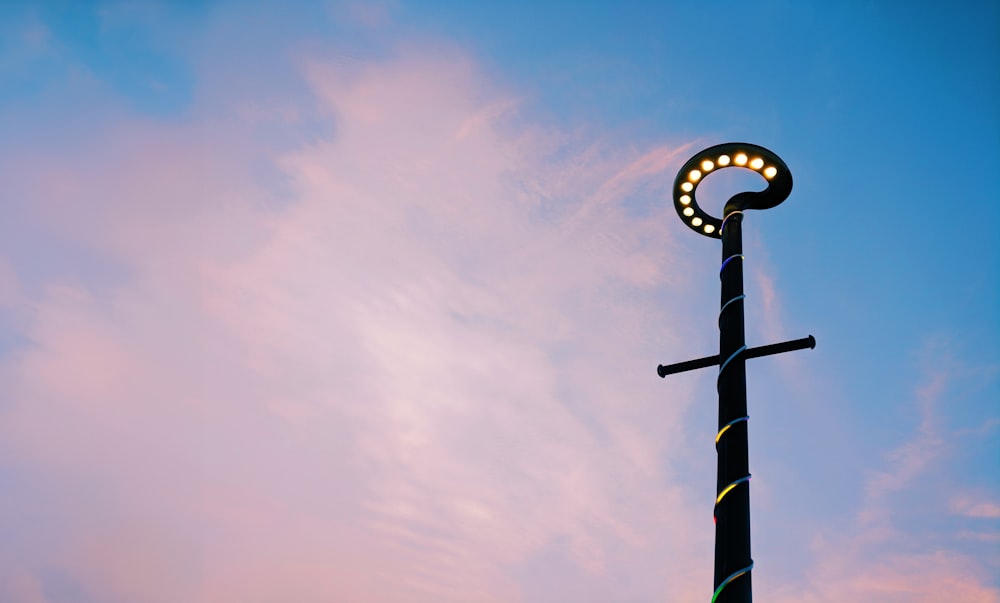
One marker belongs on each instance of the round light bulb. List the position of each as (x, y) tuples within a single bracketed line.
[(756, 163), (687, 187), (723, 160), (707, 165), (689, 211), (694, 175), (740, 159), (685, 199), (709, 229), (696, 221), (770, 171)]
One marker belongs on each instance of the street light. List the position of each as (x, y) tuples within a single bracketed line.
[(719, 157), (732, 503)]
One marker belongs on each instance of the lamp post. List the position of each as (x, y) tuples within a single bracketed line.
[(732, 504)]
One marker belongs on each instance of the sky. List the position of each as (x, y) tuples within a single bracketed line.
[(362, 302)]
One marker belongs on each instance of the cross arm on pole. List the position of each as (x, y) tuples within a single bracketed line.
[(765, 350)]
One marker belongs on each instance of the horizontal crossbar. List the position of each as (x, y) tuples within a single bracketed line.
[(765, 350)]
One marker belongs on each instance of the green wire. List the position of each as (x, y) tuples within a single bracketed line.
[(726, 582)]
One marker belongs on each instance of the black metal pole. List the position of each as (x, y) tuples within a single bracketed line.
[(732, 508), (733, 565)]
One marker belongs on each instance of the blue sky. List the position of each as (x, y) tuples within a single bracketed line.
[(399, 275)]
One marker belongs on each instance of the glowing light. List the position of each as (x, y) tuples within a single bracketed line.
[(723, 267), (731, 577), (718, 157), (729, 488), (724, 492), (718, 436), (726, 427)]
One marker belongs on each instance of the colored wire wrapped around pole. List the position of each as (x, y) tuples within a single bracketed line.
[(729, 215), (728, 489), (726, 305), (726, 427), (732, 504), (729, 259), (729, 579), (730, 359), (738, 298)]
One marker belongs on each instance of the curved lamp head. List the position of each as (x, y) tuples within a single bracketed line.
[(731, 154)]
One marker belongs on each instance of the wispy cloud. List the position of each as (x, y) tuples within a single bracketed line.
[(875, 557), (970, 507), (412, 380)]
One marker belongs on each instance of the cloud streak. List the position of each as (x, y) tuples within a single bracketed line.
[(404, 382)]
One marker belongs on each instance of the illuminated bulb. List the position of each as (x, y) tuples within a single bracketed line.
[(688, 211), (685, 199), (707, 165), (756, 163), (723, 160), (687, 187), (696, 221), (693, 175), (709, 229), (740, 159), (770, 171)]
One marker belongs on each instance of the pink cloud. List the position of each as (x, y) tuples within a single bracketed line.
[(971, 507), (873, 557), (923, 577), (404, 384)]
